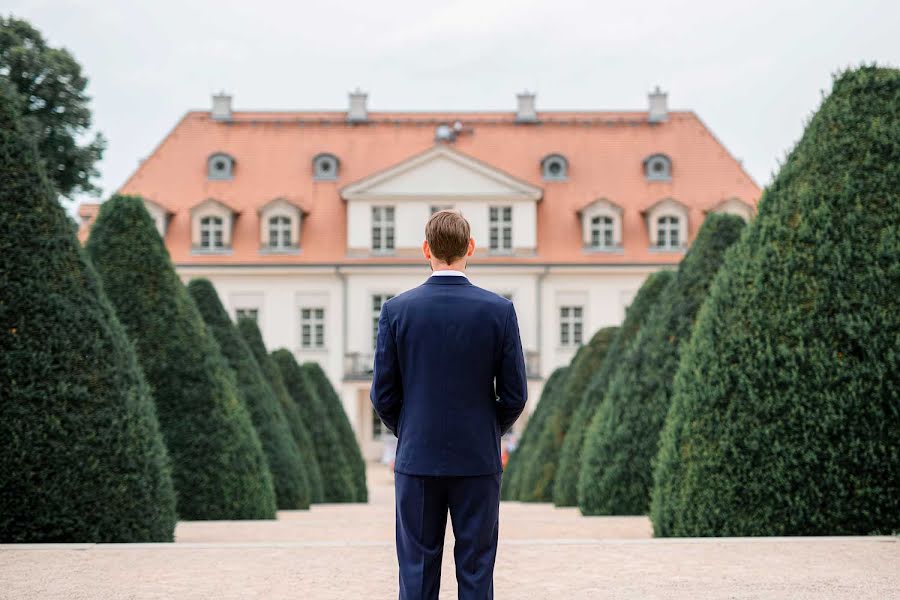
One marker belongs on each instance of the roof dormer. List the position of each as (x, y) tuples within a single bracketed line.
[(212, 222), (280, 223), (601, 225), (667, 225)]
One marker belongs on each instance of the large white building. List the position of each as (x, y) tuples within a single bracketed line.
[(309, 221)]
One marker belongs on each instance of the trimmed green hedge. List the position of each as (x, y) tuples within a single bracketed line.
[(251, 334), (285, 463), (520, 459), (565, 490), (218, 465), (786, 413), (81, 457), (337, 474), (334, 408), (622, 440)]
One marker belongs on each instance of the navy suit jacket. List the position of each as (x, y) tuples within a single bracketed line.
[(449, 376)]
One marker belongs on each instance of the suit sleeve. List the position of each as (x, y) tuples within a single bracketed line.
[(386, 392), (512, 382)]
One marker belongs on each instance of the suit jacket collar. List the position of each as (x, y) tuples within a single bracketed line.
[(448, 280)]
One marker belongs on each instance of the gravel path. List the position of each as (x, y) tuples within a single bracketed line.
[(335, 551)]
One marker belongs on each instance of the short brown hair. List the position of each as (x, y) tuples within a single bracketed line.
[(447, 233)]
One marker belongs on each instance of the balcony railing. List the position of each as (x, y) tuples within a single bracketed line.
[(358, 365)]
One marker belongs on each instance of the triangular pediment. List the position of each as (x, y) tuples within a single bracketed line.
[(441, 172)]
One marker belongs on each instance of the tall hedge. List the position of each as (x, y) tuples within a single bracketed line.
[(337, 474), (520, 458), (620, 445), (300, 431), (219, 468), (786, 413), (541, 473), (284, 459), (565, 488), (81, 456), (334, 408)]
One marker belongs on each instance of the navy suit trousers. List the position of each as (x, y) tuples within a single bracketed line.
[(423, 502)]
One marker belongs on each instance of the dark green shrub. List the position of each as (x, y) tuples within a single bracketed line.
[(283, 456), (218, 465), (337, 474), (250, 332), (541, 473), (786, 413), (334, 409), (565, 489), (520, 458), (622, 440), (81, 456)]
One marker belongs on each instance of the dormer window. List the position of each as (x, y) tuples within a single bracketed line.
[(555, 167), (601, 223), (211, 224), (220, 166), (658, 167), (279, 222), (325, 167), (667, 224)]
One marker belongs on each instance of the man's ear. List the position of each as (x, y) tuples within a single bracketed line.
[(471, 247), (426, 250)]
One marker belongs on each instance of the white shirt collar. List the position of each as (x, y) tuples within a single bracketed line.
[(448, 272)]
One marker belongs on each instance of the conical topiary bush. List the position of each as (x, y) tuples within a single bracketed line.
[(251, 334), (81, 457), (337, 475), (520, 458), (786, 412), (620, 444), (334, 408), (565, 490), (218, 465), (541, 473), (285, 463)]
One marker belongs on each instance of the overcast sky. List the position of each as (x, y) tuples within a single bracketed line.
[(753, 71)]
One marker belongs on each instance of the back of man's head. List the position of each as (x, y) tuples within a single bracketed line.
[(447, 233)]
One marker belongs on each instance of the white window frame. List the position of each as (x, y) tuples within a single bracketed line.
[(245, 312), (212, 232), (500, 228), (378, 301), (603, 232), (383, 228), (312, 328), (571, 326), (668, 232), (282, 227)]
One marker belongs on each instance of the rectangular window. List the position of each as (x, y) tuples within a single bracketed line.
[(500, 228), (571, 325), (383, 228), (378, 301), (312, 328), (437, 208), (247, 313)]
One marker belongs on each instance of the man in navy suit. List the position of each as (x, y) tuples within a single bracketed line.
[(449, 380)]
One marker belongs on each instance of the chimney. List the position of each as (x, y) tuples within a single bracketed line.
[(525, 112), (221, 107), (659, 106), (358, 112)]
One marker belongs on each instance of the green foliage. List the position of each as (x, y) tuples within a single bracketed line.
[(334, 409), (786, 412), (516, 471), (81, 457), (541, 472), (219, 468), (565, 490), (285, 462), (337, 474), (622, 440), (49, 88), (250, 332)]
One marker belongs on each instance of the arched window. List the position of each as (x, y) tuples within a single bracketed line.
[(602, 232), (211, 233), (555, 167), (668, 232), (279, 232), (220, 166), (658, 167), (325, 167)]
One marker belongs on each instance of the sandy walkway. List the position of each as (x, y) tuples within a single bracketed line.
[(347, 551)]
